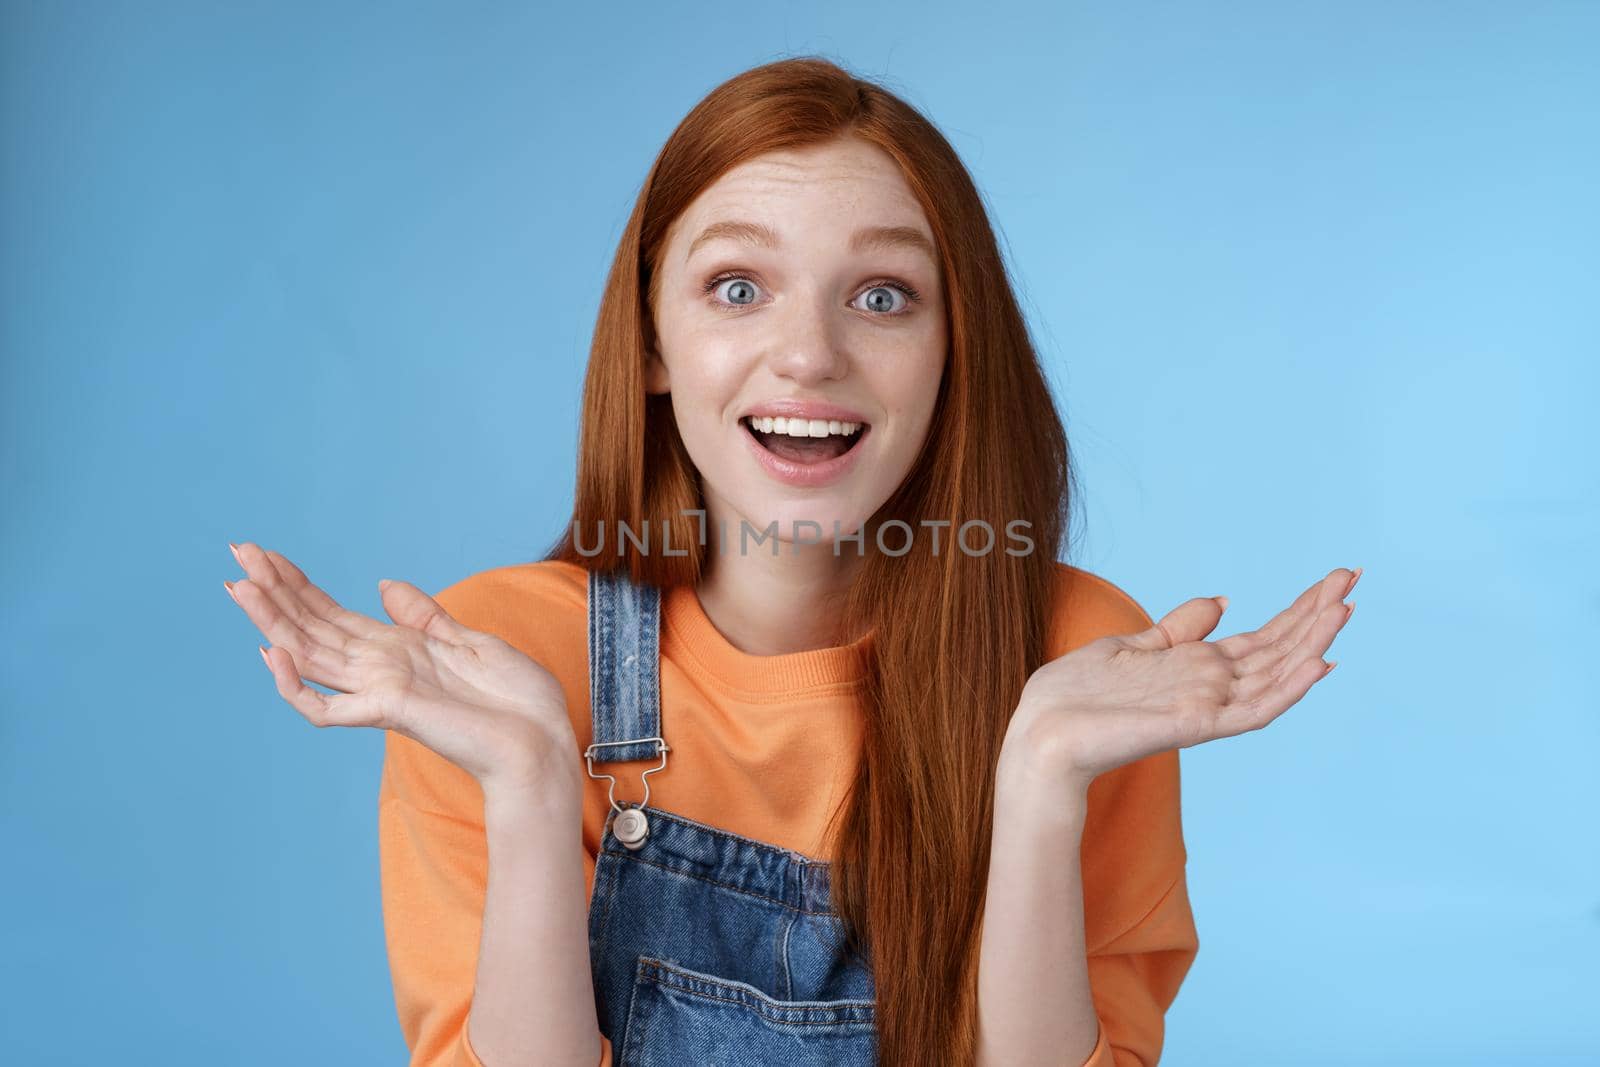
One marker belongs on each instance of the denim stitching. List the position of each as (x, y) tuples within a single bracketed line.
[(629, 1031), (788, 853), (723, 885), (650, 969), (783, 959)]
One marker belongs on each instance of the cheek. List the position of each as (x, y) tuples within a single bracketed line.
[(703, 397), (908, 382), (705, 373)]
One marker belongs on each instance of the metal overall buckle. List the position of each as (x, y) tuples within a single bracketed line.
[(631, 825)]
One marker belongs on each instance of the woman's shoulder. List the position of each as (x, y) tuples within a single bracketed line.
[(1086, 607), (519, 598)]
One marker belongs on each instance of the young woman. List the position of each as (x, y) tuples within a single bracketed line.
[(895, 785)]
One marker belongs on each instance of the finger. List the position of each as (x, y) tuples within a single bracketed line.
[(409, 606), (1323, 628), (1285, 630), (1272, 655), (1330, 589), (326, 666), (264, 573), (286, 583), (1267, 705), (1190, 621), (319, 709), (1280, 632), (320, 604)]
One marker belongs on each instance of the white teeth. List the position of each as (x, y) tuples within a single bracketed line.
[(802, 427)]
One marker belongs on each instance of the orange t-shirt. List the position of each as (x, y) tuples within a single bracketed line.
[(761, 746)]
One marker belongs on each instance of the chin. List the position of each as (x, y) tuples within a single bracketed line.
[(824, 512)]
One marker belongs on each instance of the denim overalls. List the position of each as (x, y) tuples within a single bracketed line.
[(707, 948)]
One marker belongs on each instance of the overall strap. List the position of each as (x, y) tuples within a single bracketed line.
[(624, 674)]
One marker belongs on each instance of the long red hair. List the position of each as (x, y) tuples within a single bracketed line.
[(955, 634)]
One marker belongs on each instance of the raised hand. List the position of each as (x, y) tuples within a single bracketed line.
[(1119, 699), (469, 696)]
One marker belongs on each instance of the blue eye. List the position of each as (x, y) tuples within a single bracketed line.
[(734, 302), (743, 294), (745, 283), (877, 305)]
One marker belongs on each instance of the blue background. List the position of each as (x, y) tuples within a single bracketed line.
[(1317, 284)]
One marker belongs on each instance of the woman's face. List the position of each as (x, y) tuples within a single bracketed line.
[(785, 292)]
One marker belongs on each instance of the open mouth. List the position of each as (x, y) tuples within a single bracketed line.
[(805, 441)]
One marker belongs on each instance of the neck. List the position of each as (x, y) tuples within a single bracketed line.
[(770, 605)]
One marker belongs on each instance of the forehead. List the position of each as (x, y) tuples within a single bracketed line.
[(842, 185)]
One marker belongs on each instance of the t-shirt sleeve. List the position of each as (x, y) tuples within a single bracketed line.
[(1135, 978), (434, 868), (434, 865), (1140, 930)]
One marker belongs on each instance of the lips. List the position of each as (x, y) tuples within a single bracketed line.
[(805, 465), (804, 447), (796, 408)]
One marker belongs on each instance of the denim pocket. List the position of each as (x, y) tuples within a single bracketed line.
[(679, 1016)]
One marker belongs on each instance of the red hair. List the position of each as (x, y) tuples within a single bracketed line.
[(956, 634)]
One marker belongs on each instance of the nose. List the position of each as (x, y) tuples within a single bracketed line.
[(809, 346)]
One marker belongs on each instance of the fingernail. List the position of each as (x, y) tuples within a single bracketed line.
[(1329, 669), (384, 583), (1349, 610), (1221, 600), (235, 550), (231, 593), (1354, 578), (264, 658)]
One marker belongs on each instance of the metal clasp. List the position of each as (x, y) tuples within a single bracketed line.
[(611, 791), (630, 826)]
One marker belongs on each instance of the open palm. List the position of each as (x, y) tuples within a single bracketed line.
[(1118, 699), (469, 696)]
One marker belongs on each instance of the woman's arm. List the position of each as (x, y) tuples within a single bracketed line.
[(533, 1000), (1033, 976), (485, 917), (1098, 712), (1117, 927), (479, 813)]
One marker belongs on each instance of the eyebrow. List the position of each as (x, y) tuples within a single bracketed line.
[(865, 239)]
